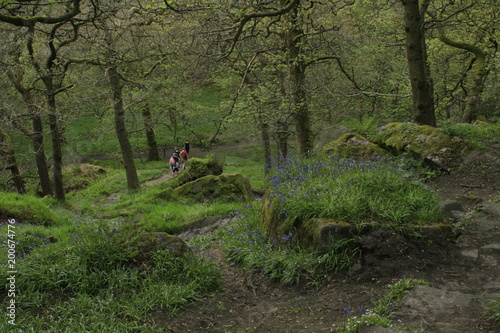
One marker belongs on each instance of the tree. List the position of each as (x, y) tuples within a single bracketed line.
[(469, 28), (28, 15), (416, 53), (7, 151)]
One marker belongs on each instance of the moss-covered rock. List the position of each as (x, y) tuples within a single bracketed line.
[(319, 234), (79, 176), (140, 245), (147, 243), (354, 145), (234, 187), (433, 146), (26, 209), (198, 168)]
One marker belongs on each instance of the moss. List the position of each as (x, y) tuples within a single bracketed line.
[(80, 176), (227, 187), (424, 142), (269, 219), (319, 233), (354, 145), (140, 246), (440, 233), (198, 168)]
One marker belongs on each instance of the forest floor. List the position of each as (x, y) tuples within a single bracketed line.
[(462, 276)]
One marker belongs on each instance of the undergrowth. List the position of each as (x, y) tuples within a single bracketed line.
[(494, 310), (281, 258), (382, 309), (476, 133), (346, 189), (89, 284)]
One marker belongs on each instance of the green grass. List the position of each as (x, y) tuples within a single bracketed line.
[(89, 284), (249, 162), (494, 310), (357, 192), (28, 209), (476, 133)]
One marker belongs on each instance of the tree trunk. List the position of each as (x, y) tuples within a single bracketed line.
[(282, 141), (41, 160), (37, 134), (56, 140), (121, 130), (150, 135), (421, 84), (11, 164), (266, 142), (299, 98)]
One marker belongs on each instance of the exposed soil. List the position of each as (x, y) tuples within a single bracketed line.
[(463, 273)]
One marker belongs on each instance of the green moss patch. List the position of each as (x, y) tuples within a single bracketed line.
[(26, 209), (80, 176), (226, 187), (354, 145), (430, 144)]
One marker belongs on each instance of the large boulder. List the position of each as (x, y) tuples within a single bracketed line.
[(198, 168), (320, 234), (351, 145), (433, 146), (140, 246), (233, 187), (147, 243), (315, 233)]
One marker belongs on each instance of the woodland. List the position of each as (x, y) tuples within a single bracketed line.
[(150, 73), (97, 93)]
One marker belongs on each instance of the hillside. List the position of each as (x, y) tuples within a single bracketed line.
[(461, 277)]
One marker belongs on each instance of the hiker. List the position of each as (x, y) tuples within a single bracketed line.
[(174, 163), (176, 152), (186, 146), (184, 158)]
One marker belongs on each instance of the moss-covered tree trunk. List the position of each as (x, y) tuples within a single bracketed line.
[(40, 158), (297, 68), (282, 134), (37, 136), (121, 130), (421, 84), (7, 151), (150, 134)]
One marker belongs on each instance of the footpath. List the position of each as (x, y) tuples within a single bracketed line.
[(455, 300)]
